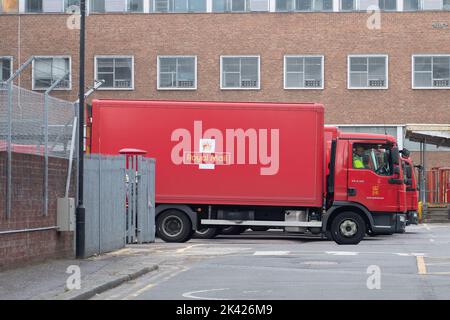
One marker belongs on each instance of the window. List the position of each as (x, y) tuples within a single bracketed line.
[(231, 5), (411, 5), (9, 6), (259, 5), (177, 72), (116, 71), (71, 4), (367, 72), (135, 6), (47, 70), (348, 5), (284, 5), (239, 72), (431, 72), (304, 5), (387, 5), (33, 6), (432, 5), (303, 72), (179, 5), (375, 157), (446, 5), (5, 68), (97, 6), (314, 5)]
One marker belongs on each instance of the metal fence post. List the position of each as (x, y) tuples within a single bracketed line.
[(46, 99), (9, 164)]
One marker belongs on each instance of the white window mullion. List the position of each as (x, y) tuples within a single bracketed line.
[(22, 6), (209, 5), (272, 5), (336, 5), (399, 5), (146, 6)]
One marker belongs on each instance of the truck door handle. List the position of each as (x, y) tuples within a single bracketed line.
[(351, 191)]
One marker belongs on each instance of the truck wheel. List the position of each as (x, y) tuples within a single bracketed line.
[(233, 230), (206, 233), (348, 228), (258, 228), (173, 226)]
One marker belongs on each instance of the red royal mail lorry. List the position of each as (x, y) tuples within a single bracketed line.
[(254, 164)]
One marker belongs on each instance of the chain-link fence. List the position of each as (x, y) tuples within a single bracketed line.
[(34, 123)]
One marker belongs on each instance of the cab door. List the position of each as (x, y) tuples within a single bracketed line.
[(371, 185)]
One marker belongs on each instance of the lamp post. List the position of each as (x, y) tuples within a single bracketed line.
[(80, 212)]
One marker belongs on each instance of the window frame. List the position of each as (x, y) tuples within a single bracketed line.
[(33, 87), (322, 87), (413, 73), (355, 6), (114, 57), (158, 87), (11, 66), (258, 87), (385, 87)]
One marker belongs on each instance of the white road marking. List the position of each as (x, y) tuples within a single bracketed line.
[(187, 248), (271, 253), (342, 253), (192, 296), (403, 254), (418, 254), (431, 240)]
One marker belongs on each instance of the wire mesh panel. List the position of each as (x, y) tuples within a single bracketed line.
[(30, 123)]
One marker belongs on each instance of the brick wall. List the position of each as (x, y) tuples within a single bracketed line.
[(28, 211), (270, 35)]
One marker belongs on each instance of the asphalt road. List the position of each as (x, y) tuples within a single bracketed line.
[(272, 265)]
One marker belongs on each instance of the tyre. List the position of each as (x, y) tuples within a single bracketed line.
[(174, 226), (258, 228), (206, 233), (233, 230), (348, 228)]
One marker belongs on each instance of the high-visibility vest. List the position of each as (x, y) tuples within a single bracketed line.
[(357, 162)]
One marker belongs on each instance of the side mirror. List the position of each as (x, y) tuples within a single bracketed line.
[(395, 156), (405, 153)]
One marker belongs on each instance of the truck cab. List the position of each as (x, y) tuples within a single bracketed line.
[(365, 174), (412, 197)]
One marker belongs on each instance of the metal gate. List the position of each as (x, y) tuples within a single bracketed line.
[(119, 202), (140, 216)]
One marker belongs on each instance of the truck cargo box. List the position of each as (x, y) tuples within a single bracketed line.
[(221, 153)]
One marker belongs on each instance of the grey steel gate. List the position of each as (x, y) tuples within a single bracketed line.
[(119, 202), (140, 217)]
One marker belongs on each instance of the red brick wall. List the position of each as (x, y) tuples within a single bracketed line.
[(28, 211)]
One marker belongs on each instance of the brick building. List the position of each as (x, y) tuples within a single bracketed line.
[(373, 71)]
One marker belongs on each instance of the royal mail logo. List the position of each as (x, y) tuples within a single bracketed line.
[(214, 147)]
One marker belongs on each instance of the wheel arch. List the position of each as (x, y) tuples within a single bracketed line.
[(180, 207), (342, 206)]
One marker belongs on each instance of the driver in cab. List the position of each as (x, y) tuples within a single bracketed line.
[(358, 158)]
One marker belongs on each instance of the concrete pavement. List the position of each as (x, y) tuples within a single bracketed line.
[(414, 265), (256, 266)]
